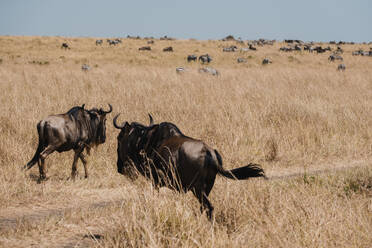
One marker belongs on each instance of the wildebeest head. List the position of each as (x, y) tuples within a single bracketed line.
[(98, 120), (130, 143)]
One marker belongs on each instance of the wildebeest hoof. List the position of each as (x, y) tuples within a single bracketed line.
[(42, 179)]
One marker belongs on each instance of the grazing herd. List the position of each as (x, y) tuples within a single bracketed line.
[(291, 46), (159, 152)]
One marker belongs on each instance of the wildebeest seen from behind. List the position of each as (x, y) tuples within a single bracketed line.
[(191, 58), (162, 153), (78, 129), (168, 49), (65, 46), (205, 58), (145, 48)]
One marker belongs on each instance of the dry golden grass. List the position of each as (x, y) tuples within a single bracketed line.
[(296, 114)]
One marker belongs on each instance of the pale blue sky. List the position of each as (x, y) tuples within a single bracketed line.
[(319, 20)]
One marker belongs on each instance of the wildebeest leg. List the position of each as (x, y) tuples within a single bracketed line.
[(78, 151), (83, 160), (204, 201), (42, 170), (43, 155)]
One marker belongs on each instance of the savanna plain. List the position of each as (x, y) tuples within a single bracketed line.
[(307, 124)]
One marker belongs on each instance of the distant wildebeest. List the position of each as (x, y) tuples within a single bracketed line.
[(209, 70), (205, 58), (297, 48), (241, 60), (266, 61), (162, 153), (286, 49), (359, 52), (168, 49), (341, 67), (99, 42), (78, 129), (319, 49), (150, 42), (191, 58), (145, 48), (334, 57), (85, 67), (65, 46), (252, 47), (114, 42)]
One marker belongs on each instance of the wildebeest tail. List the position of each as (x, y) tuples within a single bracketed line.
[(241, 173), (39, 149)]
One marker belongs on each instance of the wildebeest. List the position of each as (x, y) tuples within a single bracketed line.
[(191, 58), (65, 46), (252, 47), (78, 129), (162, 153), (99, 42), (286, 49), (334, 57), (145, 48), (168, 49), (266, 61), (150, 42), (113, 42), (205, 58), (209, 70), (341, 67)]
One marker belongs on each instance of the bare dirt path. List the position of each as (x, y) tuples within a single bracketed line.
[(13, 217)]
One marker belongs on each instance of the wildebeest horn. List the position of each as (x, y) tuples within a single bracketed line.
[(110, 110), (115, 124), (151, 120), (82, 106)]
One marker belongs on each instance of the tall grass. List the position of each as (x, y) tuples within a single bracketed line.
[(294, 113)]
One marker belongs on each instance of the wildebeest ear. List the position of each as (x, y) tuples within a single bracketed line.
[(126, 127)]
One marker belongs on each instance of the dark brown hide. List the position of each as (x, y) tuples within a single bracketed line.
[(169, 158), (75, 130)]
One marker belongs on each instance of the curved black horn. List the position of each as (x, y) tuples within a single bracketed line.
[(151, 120), (110, 110), (82, 106), (115, 124)]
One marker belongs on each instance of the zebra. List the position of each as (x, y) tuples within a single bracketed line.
[(85, 67), (209, 70), (241, 60), (99, 42)]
